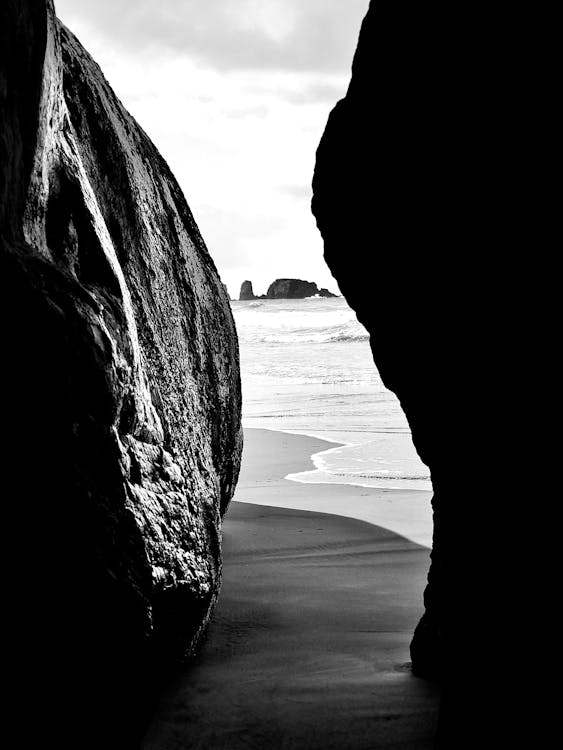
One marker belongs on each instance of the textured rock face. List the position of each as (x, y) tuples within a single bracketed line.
[(416, 197), (124, 393), (246, 291)]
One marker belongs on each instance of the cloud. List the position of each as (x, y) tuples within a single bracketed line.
[(303, 88), (258, 110), (235, 95), (298, 35), (319, 91), (230, 234), (297, 191)]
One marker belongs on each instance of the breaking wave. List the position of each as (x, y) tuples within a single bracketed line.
[(306, 366), (309, 321)]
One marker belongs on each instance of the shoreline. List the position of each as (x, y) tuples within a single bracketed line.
[(406, 512), (341, 440), (308, 648)]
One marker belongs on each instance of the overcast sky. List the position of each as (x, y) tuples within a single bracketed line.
[(235, 94)]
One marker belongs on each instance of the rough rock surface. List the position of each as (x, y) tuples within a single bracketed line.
[(246, 291), (294, 289), (123, 405), (421, 196)]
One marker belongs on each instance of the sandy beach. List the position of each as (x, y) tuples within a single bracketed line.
[(308, 648), (269, 456)]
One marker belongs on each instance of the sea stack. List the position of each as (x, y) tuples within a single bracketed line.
[(325, 293), (246, 291), (285, 289), (295, 289), (122, 395)]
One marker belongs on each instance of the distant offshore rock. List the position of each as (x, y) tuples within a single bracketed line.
[(246, 291), (285, 289), (122, 395), (291, 289)]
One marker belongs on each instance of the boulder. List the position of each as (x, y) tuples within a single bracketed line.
[(122, 388)]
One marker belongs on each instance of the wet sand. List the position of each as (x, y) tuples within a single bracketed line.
[(308, 648), (269, 456)]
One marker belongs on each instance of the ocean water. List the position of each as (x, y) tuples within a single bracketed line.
[(306, 367)]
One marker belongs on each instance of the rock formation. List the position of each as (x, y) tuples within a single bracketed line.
[(416, 189), (323, 292), (295, 289), (246, 291), (285, 289), (122, 393), (291, 289)]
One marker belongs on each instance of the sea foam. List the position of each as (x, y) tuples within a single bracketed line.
[(307, 367)]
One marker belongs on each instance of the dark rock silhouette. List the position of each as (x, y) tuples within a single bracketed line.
[(123, 394), (295, 289), (246, 291), (421, 201), (284, 289), (291, 289), (325, 293)]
